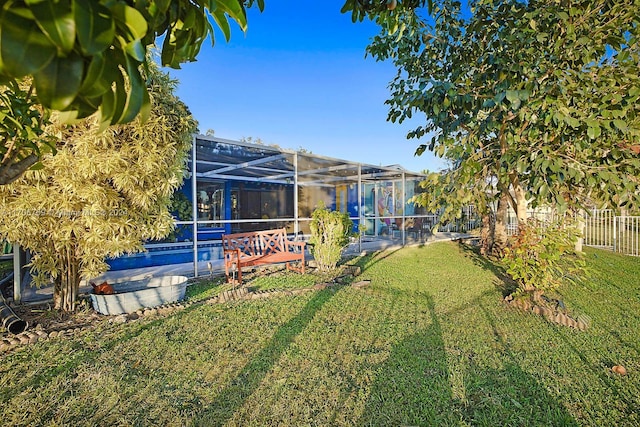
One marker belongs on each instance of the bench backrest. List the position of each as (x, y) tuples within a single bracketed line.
[(256, 243)]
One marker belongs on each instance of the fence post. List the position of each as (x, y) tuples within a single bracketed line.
[(615, 234)]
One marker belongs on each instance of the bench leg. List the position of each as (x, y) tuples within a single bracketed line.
[(229, 273), (239, 275), (296, 269)]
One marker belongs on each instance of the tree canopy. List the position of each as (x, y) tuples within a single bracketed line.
[(84, 56), (103, 194), (533, 100), (87, 56)]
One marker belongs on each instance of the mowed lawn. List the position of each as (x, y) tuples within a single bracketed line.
[(430, 342)]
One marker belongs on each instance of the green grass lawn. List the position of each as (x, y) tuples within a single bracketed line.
[(430, 342)]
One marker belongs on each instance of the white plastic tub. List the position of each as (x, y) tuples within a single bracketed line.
[(134, 295)]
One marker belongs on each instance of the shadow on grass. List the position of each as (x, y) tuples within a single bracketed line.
[(79, 353), (601, 370), (413, 387), (503, 282), (249, 379), (509, 396), (369, 260)]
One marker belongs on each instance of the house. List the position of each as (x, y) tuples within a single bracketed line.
[(235, 186)]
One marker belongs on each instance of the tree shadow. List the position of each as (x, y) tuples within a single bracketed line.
[(503, 282), (238, 391), (414, 387), (371, 259), (509, 396), (602, 371)]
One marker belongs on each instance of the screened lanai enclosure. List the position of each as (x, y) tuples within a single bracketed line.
[(234, 186), (246, 187)]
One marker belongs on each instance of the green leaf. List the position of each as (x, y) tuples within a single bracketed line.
[(593, 131), (68, 117), (94, 83), (131, 21), (235, 10), (56, 21), (86, 106), (59, 82), (168, 56), (107, 109), (512, 95), (25, 49), (136, 50), (119, 99), (145, 109), (95, 26), (136, 92), (573, 122), (37, 166), (621, 125), (221, 20)]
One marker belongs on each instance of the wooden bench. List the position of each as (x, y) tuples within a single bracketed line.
[(259, 248)]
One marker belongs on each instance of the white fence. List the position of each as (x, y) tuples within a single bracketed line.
[(619, 233), (626, 235), (602, 229), (599, 226)]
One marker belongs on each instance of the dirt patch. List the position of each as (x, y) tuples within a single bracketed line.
[(44, 317)]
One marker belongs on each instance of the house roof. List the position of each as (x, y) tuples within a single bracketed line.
[(218, 158)]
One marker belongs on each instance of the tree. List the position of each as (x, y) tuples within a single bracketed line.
[(21, 128), (102, 195), (534, 102), (81, 56), (387, 13)]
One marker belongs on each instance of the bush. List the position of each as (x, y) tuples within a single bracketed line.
[(330, 231), (542, 256)]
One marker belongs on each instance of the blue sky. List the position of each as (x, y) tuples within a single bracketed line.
[(299, 79)]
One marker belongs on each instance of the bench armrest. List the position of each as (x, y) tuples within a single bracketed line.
[(296, 245), (231, 255)]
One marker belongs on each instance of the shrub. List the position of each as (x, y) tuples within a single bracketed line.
[(542, 256), (330, 231)]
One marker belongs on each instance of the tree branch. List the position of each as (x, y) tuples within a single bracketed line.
[(11, 172)]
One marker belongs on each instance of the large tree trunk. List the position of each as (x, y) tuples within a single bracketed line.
[(521, 203), (581, 227), (486, 235), (500, 228), (67, 284)]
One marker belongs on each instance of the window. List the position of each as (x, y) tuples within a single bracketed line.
[(210, 202)]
